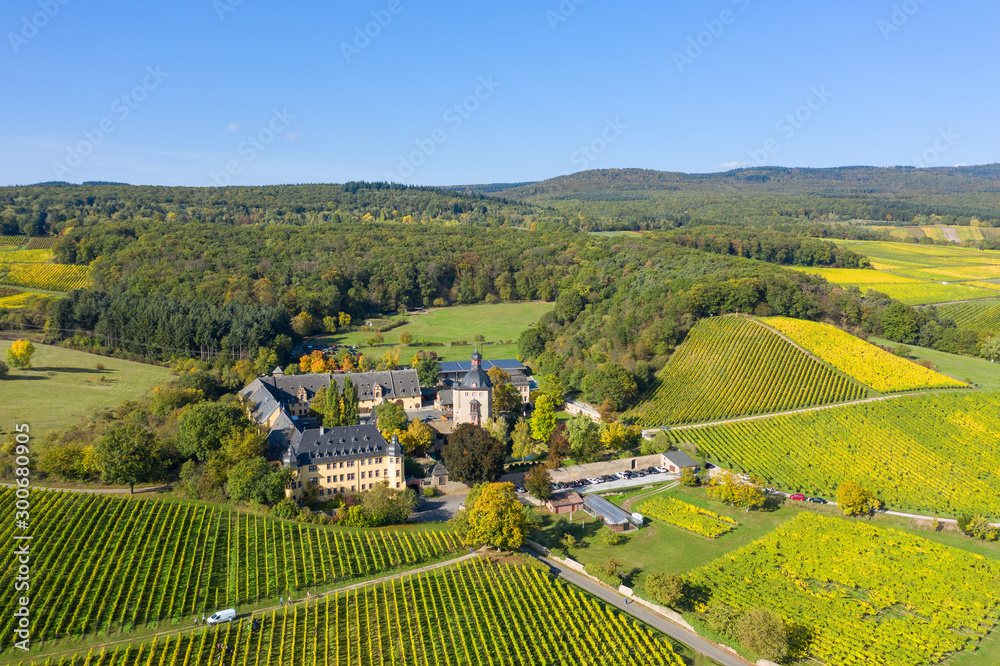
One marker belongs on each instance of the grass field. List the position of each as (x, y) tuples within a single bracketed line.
[(734, 366), (495, 322), (63, 385), (862, 594), (931, 454)]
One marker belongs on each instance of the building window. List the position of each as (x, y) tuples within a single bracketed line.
[(341, 477), (328, 465), (328, 479), (397, 474), (352, 489), (397, 484), (312, 468), (376, 473), (362, 486), (350, 477), (350, 463)]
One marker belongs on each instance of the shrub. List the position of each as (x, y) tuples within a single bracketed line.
[(666, 589), (763, 633), (430, 491), (286, 508), (610, 538)]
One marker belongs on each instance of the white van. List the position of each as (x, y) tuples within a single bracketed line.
[(227, 615)]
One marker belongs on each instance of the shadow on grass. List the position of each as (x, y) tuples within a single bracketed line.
[(68, 370)]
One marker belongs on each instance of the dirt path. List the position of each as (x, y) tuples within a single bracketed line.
[(627, 504), (99, 491)]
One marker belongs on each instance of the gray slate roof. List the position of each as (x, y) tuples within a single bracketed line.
[(680, 459), (265, 394), (318, 446), (475, 379)]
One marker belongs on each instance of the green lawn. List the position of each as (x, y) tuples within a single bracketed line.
[(63, 385), (503, 321), (979, 371)]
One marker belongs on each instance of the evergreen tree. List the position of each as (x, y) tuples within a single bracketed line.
[(349, 415)]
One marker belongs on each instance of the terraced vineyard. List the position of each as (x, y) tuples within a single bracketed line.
[(926, 453), (114, 563), (870, 365), (864, 595), (472, 613), (979, 316), (53, 277), (687, 516), (733, 366)]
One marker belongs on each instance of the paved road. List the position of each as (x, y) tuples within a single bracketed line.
[(640, 612), (444, 507)]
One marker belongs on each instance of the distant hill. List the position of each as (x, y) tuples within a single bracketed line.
[(644, 199)]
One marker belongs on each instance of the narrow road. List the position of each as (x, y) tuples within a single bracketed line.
[(259, 611), (658, 622)]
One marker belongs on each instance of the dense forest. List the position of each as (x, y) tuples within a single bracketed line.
[(210, 271)]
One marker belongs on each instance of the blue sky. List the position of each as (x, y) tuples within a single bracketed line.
[(201, 92)]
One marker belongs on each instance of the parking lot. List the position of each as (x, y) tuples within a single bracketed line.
[(608, 482)]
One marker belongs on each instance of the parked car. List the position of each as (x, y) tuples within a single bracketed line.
[(593, 481), (797, 496), (817, 500), (519, 489), (219, 617), (660, 470)]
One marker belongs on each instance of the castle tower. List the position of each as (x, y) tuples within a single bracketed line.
[(474, 395)]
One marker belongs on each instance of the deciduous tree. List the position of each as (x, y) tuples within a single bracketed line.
[(390, 416), (764, 633), (127, 454), (731, 489), (473, 456), (496, 518), (19, 354), (538, 483), (854, 500), (543, 420)]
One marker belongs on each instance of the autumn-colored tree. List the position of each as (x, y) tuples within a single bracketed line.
[(19, 354), (607, 411), (619, 437), (344, 319), (496, 518), (735, 491), (854, 500), (420, 435), (405, 338), (305, 364), (318, 365), (543, 421), (244, 444), (330, 324), (538, 483), (498, 376), (302, 323), (347, 362)]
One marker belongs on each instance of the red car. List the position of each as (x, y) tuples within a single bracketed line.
[(797, 496)]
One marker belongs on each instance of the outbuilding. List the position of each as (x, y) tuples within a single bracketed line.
[(614, 517), (564, 503), (675, 461)]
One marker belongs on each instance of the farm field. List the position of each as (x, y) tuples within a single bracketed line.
[(977, 316), (686, 516), (499, 321), (870, 365), (471, 613), (923, 453), (978, 371), (920, 274), (863, 594), (733, 366), (64, 385), (113, 564)]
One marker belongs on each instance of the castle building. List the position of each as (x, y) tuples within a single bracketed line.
[(473, 397), (346, 459)]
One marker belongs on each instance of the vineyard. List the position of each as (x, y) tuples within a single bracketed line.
[(25, 256), (114, 563), (41, 243), (18, 299), (472, 613), (981, 316), (934, 453), (733, 366), (11, 240), (865, 595), (53, 277), (687, 516), (870, 365)]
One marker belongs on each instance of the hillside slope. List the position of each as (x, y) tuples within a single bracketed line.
[(734, 366)]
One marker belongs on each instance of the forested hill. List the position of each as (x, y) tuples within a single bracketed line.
[(644, 199), (53, 207)]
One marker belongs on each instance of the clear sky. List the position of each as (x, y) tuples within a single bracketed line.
[(201, 92)]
